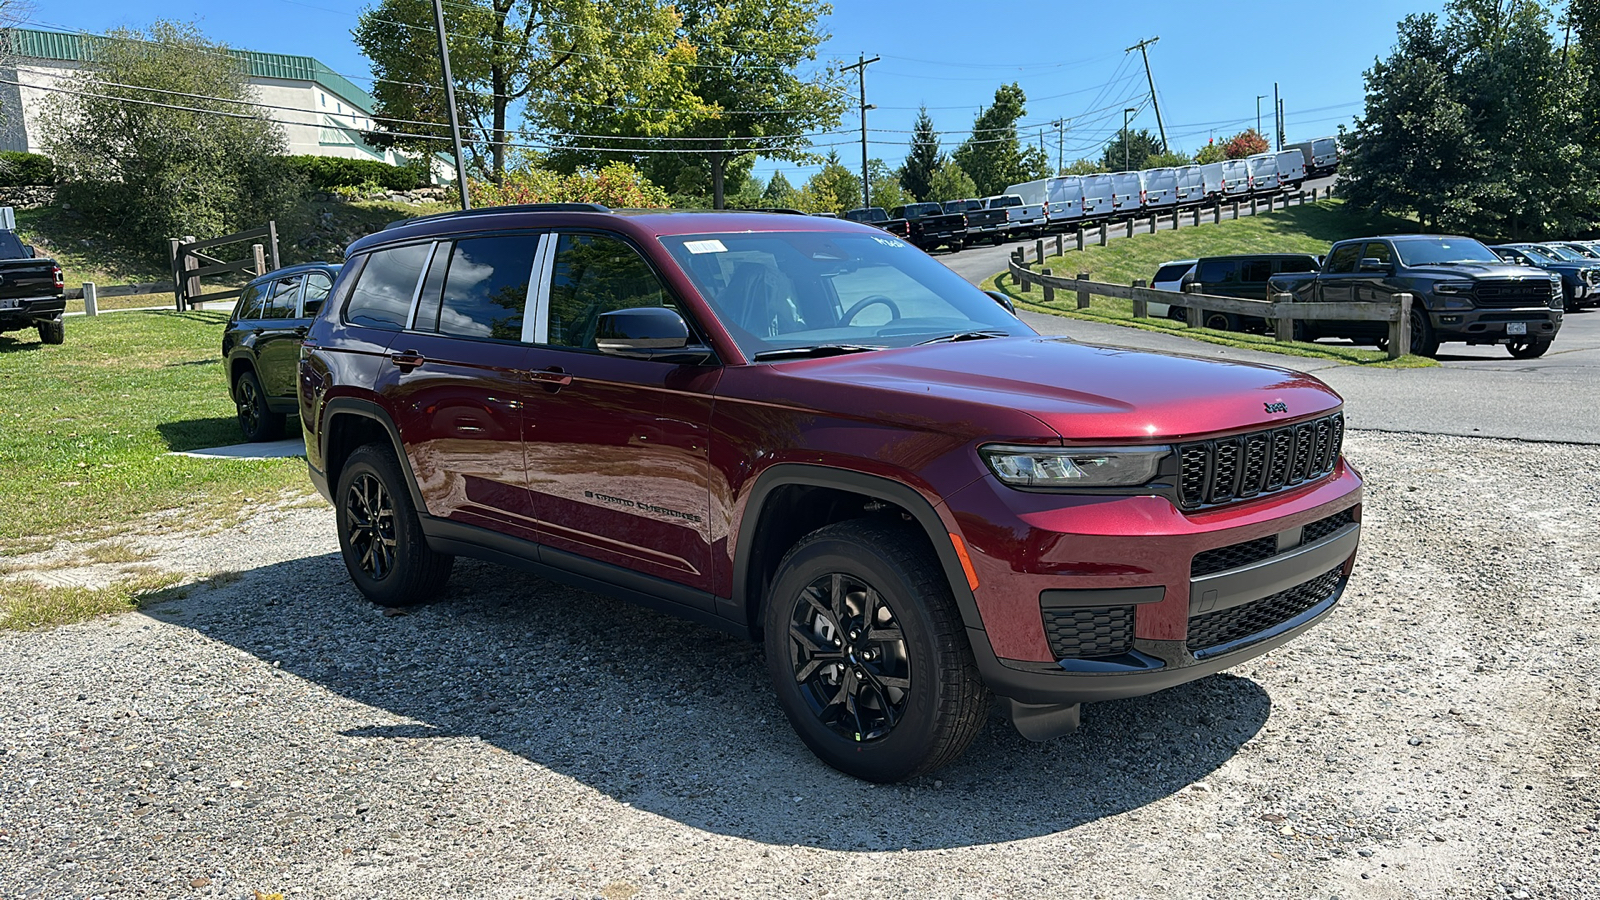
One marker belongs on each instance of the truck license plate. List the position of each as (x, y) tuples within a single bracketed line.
[(10, 304), (1516, 328)]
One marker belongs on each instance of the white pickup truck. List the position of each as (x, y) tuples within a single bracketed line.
[(1022, 219)]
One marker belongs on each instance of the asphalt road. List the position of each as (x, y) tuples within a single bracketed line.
[(1475, 391)]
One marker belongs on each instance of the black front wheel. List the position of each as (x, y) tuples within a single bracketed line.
[(382, 543), (868, 654), (1424, 340), (1527, 348)]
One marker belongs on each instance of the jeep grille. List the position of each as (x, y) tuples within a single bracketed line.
[(1261, 462)]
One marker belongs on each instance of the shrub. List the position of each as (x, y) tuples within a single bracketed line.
[(324, 173), (18, 169), (618, 185)]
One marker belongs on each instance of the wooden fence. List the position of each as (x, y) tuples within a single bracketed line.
[(1282, 311), (189, 265)]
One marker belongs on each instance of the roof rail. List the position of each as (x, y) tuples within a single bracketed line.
[(782, 210), (496, 210)]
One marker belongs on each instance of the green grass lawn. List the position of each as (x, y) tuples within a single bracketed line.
[(86, 428), (1300, 229)]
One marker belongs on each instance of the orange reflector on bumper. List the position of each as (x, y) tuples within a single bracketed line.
[(966, 561)]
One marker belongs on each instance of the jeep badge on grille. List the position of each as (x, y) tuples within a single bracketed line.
[(1277, 406)]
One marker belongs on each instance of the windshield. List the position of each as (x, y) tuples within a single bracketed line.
[(777, 291), (1432, 251), (1539, 254), (1560, 252)]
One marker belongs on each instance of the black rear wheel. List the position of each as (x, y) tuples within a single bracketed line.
[(53, 331), (382, 543), (256, 420), (1219, 321), (868, 654)]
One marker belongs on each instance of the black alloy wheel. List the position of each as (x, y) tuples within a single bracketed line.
[(867, 653), (256, 420), (382, 543), (1424, 341), (1527, 348), (1220, 321)]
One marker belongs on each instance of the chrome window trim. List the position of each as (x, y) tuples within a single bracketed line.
[(416, 290)]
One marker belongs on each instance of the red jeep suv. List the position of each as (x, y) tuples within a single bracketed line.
[(807, 432)]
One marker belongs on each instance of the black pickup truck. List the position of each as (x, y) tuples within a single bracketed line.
[(32, 291), (982, 222), (1461, 292), (929, 225), (876, 215)]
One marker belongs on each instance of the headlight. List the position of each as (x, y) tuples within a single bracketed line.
[(1067, 467), (1453, 287)]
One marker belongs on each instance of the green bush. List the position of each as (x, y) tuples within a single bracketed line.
[(17, 169), (324, 173)]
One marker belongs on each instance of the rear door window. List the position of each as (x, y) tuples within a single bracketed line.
[(1343, 259), (1218, 271), (1256, 271), (318, 284), (250, 302), (383, 291), (485, 287), (1295, 264), (281, 297)]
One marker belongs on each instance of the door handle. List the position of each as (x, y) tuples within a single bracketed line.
[(551, 377), (406, 360)]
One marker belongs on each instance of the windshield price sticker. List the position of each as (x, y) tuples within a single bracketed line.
[(710, 246), (889, 242)]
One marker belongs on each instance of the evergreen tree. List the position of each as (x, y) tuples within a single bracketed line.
[(992, 155), (1141, 145), (916, 174), (779, 192)]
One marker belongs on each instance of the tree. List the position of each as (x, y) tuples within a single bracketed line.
[(743, 95), (833, 189), (779, 192), (950, 182), (916, 174), (151, 172), (1083, 167), (618, 185), (1246, 143), (1036, 164), (1166, 160), (886, 189), (1140, 144), (1212, 152), (992, 155), (555, 56)]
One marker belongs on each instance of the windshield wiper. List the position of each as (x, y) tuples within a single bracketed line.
[(814, 351), (965, 336)]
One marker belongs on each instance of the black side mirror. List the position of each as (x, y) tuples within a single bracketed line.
[(651, 332), (1003, 300), (1373, 264)]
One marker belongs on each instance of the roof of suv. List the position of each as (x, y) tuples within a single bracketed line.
[(640, 222)]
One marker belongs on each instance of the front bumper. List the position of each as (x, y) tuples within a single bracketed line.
[(1102, 610), (1488, 326)]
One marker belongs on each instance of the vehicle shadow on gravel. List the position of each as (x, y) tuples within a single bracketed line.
[(680, 720)]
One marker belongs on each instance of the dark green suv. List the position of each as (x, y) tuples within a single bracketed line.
[(261, 346)]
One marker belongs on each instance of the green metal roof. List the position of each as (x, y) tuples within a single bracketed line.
[(68, 47)]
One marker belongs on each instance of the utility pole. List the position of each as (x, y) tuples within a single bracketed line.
[(1126, 163), (450, 100), (1283, 124), (1151, 79), (1061, 142), (1259, 98), (1277, 115), (861, 81)]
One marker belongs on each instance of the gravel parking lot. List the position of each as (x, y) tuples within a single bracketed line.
[(275, 733)]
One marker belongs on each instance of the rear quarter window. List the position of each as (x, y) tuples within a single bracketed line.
[(1173, 272), (383, 289)]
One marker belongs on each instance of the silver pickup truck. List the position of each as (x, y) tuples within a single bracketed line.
[(1022, 219)]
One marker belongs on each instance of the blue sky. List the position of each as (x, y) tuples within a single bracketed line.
[(1211, 62)]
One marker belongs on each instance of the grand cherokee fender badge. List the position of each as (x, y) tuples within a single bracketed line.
[(1276, 406)]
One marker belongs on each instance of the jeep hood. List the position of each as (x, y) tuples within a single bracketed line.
[(1080, 391)]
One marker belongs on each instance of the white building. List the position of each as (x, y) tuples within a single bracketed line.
[(322, 113)]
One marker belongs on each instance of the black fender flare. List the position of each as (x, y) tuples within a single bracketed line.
[(888, 490), (366, 409)]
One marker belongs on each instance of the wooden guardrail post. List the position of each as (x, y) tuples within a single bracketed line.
[(1233, 210), (1196, 315), (191, 283), (1216, 213), (1105, 233), (1141, 308), (1080, 238), (1400, 329), (1130, 227), (1283, 323), (1177, 219), (1059, 250), (1083, 292), (91, 299), (1038, 250), (1049, 292), (1154, 218)]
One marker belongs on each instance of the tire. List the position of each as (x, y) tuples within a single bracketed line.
[(1219, 321), (53, 331), (1424, 342), (917, 684), (1528, 348), (379, 536), (256, 420), (1178, 313)]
